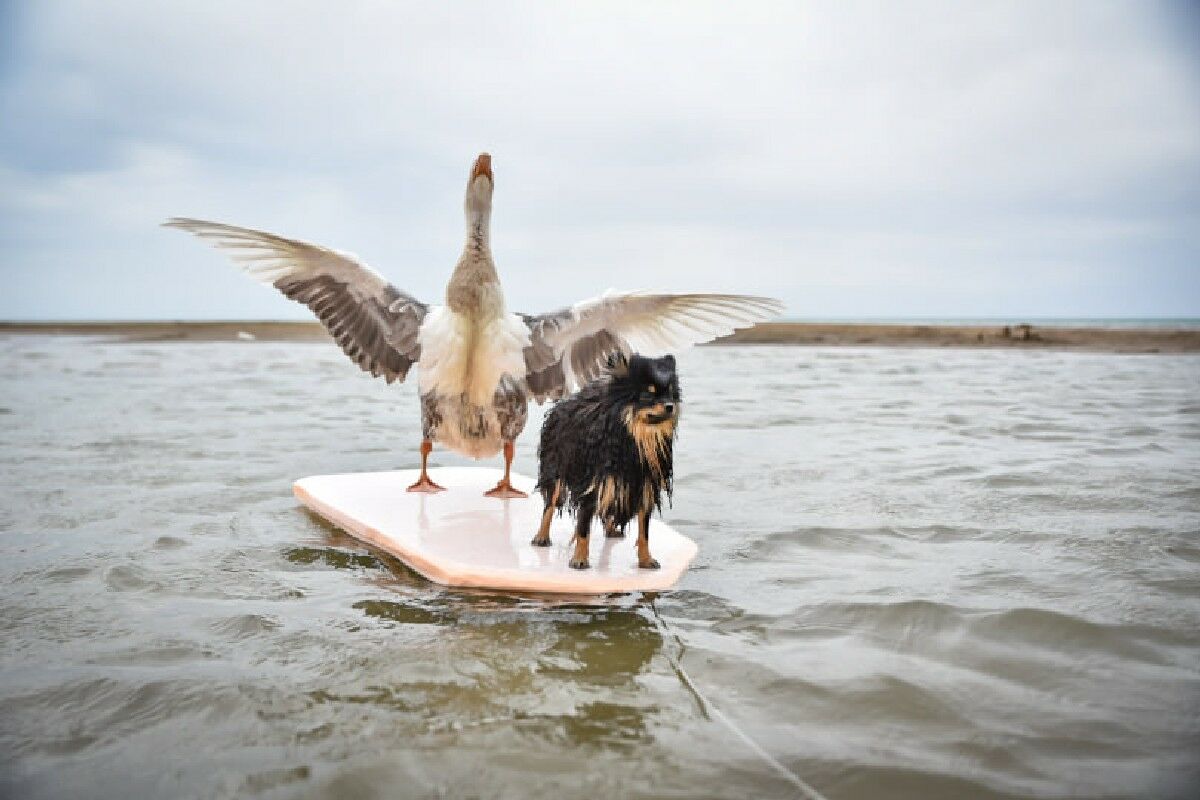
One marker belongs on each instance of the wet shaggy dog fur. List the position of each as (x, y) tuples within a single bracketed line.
[(607, 451)]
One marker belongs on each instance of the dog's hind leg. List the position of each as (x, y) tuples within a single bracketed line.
[(612, 530), (645, 560), (583, 522), (542, 538)]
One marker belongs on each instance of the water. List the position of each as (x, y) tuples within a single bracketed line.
[(923, 574)]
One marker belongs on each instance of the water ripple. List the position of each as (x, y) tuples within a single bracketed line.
[(923, 574)]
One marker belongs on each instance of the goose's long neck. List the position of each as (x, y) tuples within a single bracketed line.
[(479, 232), (474, 287)]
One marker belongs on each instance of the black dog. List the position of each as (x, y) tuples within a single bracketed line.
[(607, 451)]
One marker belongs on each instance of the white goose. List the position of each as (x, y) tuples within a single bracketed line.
[(479, 364)]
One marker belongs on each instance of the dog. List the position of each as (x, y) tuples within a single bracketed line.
[(607, 451)]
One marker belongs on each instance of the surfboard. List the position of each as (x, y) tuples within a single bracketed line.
[(461, 538)]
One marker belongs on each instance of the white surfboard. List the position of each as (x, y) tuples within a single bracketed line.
[(461, 538)]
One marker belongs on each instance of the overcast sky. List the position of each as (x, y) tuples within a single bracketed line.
[(856, 160)]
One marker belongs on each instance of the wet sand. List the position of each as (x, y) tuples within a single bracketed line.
[(1111, 340), (826, 334)]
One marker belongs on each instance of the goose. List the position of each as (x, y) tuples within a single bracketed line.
[(479, 365)]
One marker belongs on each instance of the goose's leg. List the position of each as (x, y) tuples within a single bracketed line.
[(512, 409), (505, 488), (424, 484), (431, 418)]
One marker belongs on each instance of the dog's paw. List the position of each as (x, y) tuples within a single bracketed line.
[(536, 542), (579, 563), (614, 533), (649, 563)]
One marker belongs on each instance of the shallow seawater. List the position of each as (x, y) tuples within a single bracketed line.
[(922, 574)]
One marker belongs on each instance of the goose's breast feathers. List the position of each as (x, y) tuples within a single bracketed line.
[(468, 355)]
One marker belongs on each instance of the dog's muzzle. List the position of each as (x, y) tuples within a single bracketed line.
[(669, 410)]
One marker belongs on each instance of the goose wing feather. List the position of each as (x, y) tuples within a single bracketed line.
[(569, 347), (374, 323)]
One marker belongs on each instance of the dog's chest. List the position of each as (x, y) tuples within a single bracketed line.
[(628, 483)]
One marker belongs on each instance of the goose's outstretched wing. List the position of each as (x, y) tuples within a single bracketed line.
[(372, 321), (569, 347)]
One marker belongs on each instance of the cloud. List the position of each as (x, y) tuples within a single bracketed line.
[(924, 159)]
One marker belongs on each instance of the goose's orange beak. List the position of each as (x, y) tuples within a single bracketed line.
[(483, 166)]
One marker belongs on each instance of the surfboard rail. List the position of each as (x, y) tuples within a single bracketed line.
[(461, 538)]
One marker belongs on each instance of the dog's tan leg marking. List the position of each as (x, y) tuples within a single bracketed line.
[(542, 538), (505, 489), (424, 484), (645, 560), (579, 558), (611, 530), (583, 521)]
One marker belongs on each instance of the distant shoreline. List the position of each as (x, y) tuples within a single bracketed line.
[(1143, 339)]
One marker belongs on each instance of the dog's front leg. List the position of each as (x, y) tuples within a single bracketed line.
[(645, 560), (583, 523)]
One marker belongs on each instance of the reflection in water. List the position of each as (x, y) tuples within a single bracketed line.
[(594, 640), (339, 559), (605, 725), (569, 648), (406, 613)]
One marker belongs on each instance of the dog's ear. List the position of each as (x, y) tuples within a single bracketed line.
[(663, 368), (618, 364)]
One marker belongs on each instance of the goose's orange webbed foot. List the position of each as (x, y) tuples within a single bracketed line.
[(426, 486), (505, 490)]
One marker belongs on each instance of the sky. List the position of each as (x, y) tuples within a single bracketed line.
[(856, 160)]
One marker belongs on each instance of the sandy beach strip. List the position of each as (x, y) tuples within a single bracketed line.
[(825, 334), (1020, 336)]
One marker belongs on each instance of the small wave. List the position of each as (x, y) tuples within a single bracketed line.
[(1016, 480), (67, 574), (245, 626), (1070, 635), (130, 578), (169, 543)]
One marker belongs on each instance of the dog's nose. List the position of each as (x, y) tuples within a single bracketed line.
[(669, 408)]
